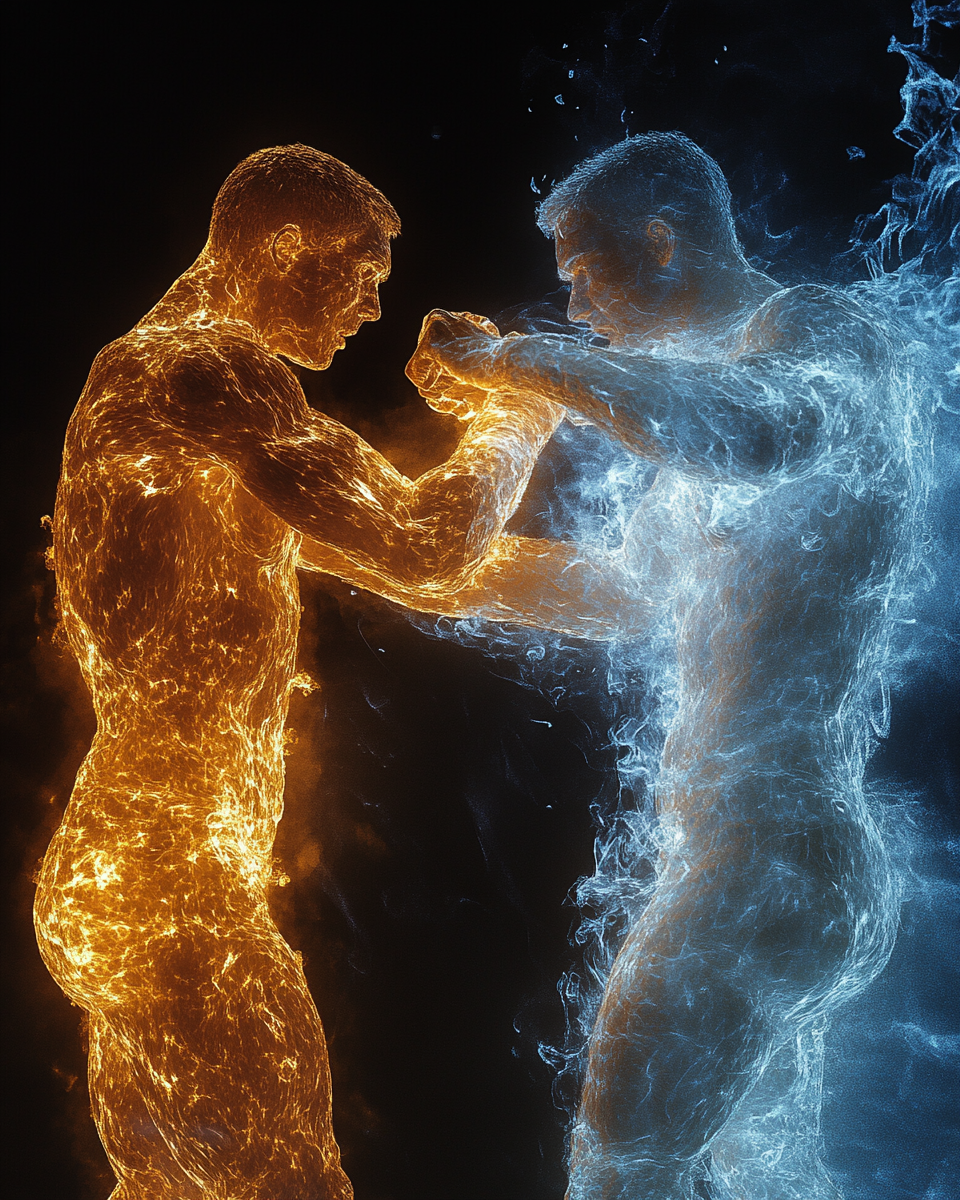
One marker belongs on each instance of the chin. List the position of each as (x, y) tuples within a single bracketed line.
[(325, 354), (313, 362)]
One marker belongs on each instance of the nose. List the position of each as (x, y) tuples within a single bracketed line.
[(370, 306)]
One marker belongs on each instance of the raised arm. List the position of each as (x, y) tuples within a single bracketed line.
[(804, 357), (246, 410)]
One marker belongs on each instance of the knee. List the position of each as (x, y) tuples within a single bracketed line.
[(83, 942), (104, 923), (795, 953), (810, 946)]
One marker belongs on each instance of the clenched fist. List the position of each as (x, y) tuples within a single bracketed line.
[(452, 364)]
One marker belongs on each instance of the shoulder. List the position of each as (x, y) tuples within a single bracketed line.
[(194, 388), (816, 322), (212, 359), (216, 366), (215, 381)]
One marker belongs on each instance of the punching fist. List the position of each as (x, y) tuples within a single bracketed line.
[(452, 361)]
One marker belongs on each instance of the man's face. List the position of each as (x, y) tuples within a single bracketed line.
[(609, 286), (325, 295)]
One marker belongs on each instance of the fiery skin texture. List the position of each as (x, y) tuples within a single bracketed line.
[(761, 562), (193, 471)]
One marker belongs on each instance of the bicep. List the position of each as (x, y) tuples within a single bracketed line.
[(398, 537), (327, 483), (246, 411)]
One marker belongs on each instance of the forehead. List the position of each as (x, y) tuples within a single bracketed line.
[(579, 234), (371, 247)]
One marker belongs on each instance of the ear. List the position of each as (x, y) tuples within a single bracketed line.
[(662, 241), (285, 247)]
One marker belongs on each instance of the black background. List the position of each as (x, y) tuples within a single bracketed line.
[(438, 813)]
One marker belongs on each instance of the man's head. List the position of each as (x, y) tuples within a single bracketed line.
[(636, 228), (305, 241)]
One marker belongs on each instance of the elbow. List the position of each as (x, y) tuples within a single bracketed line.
[(453, 573), (446, 548), (438, 571)]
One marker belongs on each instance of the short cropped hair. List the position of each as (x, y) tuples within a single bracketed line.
[(294, 185), (653, 175)]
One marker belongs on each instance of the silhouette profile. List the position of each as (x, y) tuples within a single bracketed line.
[(762, 561), (195, 481)]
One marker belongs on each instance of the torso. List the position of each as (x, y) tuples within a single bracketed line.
[(179, 597), (778, 594)]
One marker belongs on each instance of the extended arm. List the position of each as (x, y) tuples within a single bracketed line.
[(723, 419), (524, 581), (804, 356)]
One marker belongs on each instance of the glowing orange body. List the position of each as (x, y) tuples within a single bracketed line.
[(179, 597), (195, 481)]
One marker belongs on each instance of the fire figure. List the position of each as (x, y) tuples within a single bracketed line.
[(196, 480)]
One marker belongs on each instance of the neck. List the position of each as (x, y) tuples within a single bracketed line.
[(206, 291), (710, 298)]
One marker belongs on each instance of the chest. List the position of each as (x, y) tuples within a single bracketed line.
[(746, 548)]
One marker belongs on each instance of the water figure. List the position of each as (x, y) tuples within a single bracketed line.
[(763, 561)]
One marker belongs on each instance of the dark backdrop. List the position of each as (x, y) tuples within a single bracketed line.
[(438, 812)]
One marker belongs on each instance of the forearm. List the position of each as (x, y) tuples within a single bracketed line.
[(389, 533), (524, 581), (556, 585), (724, 418), (460, 508)]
